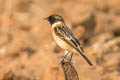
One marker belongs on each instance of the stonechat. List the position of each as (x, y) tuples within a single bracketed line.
[(64, 36)]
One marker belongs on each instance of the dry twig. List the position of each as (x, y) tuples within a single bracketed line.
[(69, 70)]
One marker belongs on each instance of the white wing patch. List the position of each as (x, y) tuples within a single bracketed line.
[(68, 38)]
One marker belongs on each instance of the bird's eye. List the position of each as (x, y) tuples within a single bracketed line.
[(52, 18)]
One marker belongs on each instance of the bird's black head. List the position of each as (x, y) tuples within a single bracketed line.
[(54, 18)]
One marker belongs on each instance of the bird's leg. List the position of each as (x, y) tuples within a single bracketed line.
[(66, 52), (71, 57)]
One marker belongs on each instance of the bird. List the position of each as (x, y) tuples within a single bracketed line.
[(64, 36)]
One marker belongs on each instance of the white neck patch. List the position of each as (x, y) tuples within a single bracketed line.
[(57, 23)]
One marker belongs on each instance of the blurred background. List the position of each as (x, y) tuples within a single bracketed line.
[(28, 51)]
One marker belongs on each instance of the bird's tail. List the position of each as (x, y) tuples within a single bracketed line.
[(87, 60)]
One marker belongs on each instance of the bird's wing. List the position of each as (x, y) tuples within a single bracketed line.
[(66, 34)]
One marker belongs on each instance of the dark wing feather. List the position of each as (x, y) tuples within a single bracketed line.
[(74, 39)]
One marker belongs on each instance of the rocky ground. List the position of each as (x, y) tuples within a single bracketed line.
[(28, 51)]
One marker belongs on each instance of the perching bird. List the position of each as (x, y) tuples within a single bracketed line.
[(64, 36)]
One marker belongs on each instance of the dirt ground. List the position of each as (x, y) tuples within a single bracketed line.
[(28, 51)]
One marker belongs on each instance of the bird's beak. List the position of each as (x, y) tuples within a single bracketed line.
[(46, 18)]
